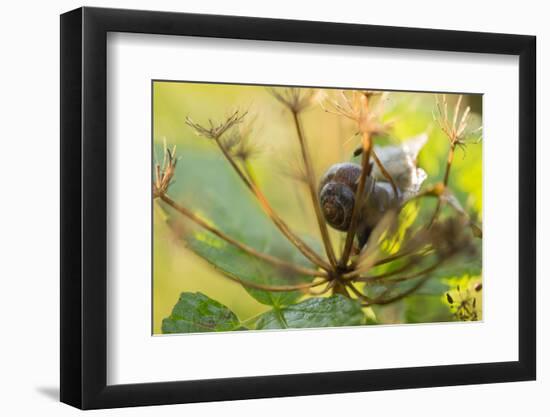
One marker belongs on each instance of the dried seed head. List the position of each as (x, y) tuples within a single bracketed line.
[(296, 99), (238, 142), (458, 129), (357, 105), (216, 130), (165, 173)]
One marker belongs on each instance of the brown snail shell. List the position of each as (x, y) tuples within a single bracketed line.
[(337, 197), (338, 187), (337, 193)]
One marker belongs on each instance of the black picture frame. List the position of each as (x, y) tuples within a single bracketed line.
[(84, 207)]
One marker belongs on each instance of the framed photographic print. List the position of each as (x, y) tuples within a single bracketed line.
[(257, 208)]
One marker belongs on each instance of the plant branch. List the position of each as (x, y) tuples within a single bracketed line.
[(410, 248), (403, 277), (303, 247), (393, 257), (245, 248), (330, 285), (375, 278), (450, 158), (272, 288), (385, 173), (398, 297), (414, 288), (358, 293), (356, 273), (310, 176), (453, 132), (359, 194)]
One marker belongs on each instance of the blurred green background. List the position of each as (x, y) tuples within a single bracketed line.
[(205, 183)]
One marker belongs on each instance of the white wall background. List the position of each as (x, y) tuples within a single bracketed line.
[(29, 225)]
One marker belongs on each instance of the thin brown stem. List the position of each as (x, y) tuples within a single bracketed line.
[(303, 247), (453, 132), (385, 173), (359, 194), (339, 287), (358, 293), (414, 288), (329, 286), (411, 247), (251, 251), (158, 176), (450, 158), (436, 213), (272, 288), (356, 273), (398, 296), (310, 176), (393, 257), (379, 277), (406, 277)]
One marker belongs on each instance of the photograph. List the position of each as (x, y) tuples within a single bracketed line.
[(246, 208), (294, 207)]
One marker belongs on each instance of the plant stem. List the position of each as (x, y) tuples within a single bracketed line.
[(313, 190), (303, 247), (420, 283), (358, 293), (401, 278), (373, 278), (411, 247), (399, 296), (356, 273), (385, 173), (359, 194), (245, 248), (450, 158), (272, 288), (453, 132), (340, 288), (330, 285), (392, 258)]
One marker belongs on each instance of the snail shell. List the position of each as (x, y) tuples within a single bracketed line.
[(337, 197), (338, 187), (337, 193)]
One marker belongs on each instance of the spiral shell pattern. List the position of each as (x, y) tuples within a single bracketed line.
[(337, 194)]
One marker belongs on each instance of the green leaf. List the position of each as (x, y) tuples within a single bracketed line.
[(211, 189), (242, 266), (333, 311), (195, 313)]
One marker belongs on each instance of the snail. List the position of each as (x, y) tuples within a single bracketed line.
[(338, 187)]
